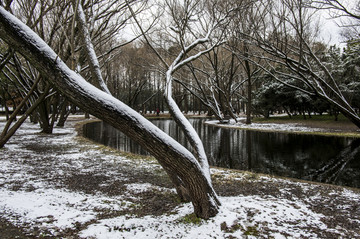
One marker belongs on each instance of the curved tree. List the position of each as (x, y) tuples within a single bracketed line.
[(186, 173)]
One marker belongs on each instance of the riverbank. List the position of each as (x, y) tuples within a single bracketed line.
[(317, 125), (63, 185)]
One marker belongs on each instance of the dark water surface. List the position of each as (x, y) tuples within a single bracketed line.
[(327, 159)]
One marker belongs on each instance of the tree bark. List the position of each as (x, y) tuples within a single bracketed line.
[(44, 118), (249, 88), (178, 162), (64, 113)]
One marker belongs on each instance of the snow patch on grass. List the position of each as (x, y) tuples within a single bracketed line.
[(238, 216), (33, 194), (143, 187), (265, 126), (53, 208)]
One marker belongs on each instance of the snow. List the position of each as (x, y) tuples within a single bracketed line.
[(58, 208), (289, 127), (250, 212), (31, 200), (143, 187)]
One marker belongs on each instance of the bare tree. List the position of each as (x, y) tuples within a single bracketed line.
[(341, 8), (289, 50), (192, 45), (195, 27), (46, 18), (217, 81), (55, 21), (182, 167), (248, 21)]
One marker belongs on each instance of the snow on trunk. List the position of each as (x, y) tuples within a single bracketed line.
[(89, 49), (179, 117), (186, 126), (182, 167), (174, 109)]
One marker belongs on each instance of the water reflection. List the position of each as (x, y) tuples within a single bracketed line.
[(320, 158)]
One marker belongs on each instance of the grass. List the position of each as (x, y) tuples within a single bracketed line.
[(230, 229), (300, 118), (191, 219), (343, 127)]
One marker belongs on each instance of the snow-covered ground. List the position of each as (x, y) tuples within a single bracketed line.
[(43, 190), (265, 126)]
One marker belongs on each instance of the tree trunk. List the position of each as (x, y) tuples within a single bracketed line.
[(287, 112), (44, 118), (63, 114), (7, 113), (6, 133), (178, 162), (249, 89)]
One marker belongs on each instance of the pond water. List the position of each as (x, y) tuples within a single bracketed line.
[(334, 160)]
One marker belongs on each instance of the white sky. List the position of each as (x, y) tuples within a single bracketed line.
[(330, 32), (330, 27)]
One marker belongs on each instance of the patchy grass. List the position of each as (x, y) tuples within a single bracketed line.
[(231, 229), (327, 122), (251, 231), (299, 118), (190, 219), (343, 127), (80, 189)]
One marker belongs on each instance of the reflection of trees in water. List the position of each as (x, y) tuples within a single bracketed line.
[(331, 170), (291, 155), (248, 149), (231, 148), (224, 157)]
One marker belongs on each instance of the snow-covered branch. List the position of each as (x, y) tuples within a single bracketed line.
[(91, 55)]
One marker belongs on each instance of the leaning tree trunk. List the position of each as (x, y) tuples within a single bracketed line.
[(64, 113), (44, 118), (179, 163)]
